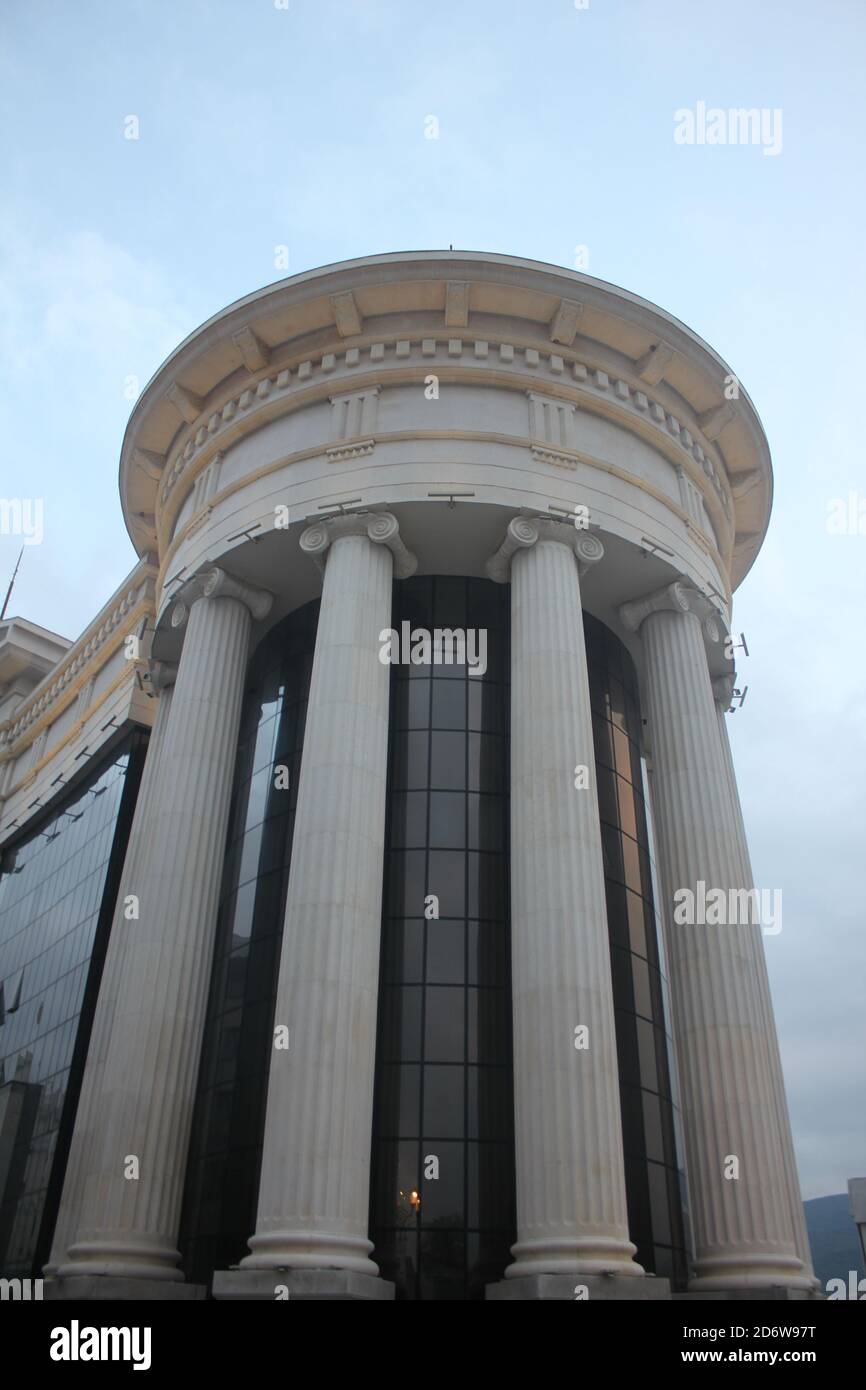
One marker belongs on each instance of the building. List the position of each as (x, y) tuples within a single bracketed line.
[(429, 644)]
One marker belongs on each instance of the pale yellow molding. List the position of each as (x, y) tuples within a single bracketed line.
[(52, 712), (467, 436), (227, 414), (33, 773), (587, 399)]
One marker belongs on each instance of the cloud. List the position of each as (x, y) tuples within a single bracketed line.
[(80, 316)]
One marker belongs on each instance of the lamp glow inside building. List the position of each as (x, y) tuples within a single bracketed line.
[(376, 913)]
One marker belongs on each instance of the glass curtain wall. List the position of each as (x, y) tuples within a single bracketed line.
[(640, 989), (228, 1123), (442, 1192), (57, 890)]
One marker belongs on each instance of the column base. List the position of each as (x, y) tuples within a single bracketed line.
[(574, 1254), (119, 1288), (301, 1285), (546, 1288), (749, 1271)]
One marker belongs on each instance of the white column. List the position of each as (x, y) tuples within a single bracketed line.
[(571, 1201), (732, 1107), (114, 968), (132, 1134), (722, 692), (314, 1188)]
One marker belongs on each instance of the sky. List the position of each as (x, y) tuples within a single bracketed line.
[(302, 124)]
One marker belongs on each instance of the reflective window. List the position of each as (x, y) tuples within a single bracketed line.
[(57, 890), (442, 1192), (649, 1119), (219, 1210)]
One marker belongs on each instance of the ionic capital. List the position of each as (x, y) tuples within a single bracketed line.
[(525, 531), (673, 598), (382, 528), (217, 583), (162, 674), (213, 582), (723, 690)]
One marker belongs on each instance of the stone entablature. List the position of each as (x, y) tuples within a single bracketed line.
[(583, 386), (36, 743), (364, 326)]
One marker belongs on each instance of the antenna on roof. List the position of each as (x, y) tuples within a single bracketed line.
[(11, 582)]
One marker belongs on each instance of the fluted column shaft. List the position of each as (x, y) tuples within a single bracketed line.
[(314, 1188), (791, 1181), (571, 1201), (113, 972), (133, 1136), (741, 1210)]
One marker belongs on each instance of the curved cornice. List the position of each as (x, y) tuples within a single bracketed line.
[(580, 336)]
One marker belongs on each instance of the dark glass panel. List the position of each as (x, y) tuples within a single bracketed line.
[(487, 1254), (444, 1023), (446, 953), (411, 760), (486, 828), (489, 1186), (632, 1121), (489, 1103), (397, 1258), (400, 1100), (227, 1129), (487, 1021), (602, 734), (659, 1205), (653, 1130), (646, 1042), (446, 878), (449, 705), (487, 705), (631, 863), (461, 745), (443, 1200), (403, 953), (638, 1202), (406, 887), (606, 780), (447, 759), (643, 1000), (409, 820), (401, 1024), (488, 954), (442, 1261), (635, 908), (486, 886), (627, 807), (58, 886), (412, 704), (443, 1116), (447, 820), (398, 1191), (488, 762)]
